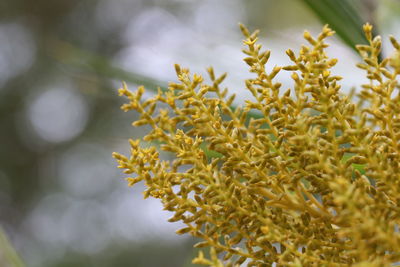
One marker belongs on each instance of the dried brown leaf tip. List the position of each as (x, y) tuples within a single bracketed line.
[(311, 179)]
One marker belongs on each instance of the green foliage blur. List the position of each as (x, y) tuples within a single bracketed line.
[(60, 116)]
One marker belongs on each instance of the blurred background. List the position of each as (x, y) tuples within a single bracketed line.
[(63, 202)]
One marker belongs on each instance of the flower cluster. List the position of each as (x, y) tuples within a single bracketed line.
[(311, 179)]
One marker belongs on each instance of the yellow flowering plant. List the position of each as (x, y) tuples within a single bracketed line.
[(309, 180)]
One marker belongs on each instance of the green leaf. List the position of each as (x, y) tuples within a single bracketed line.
[(8, 255), (210, 153), (76, 57), (343, 17), (81, 59), (359, 167)]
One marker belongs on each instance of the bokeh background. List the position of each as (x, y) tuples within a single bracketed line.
[(63, 202)]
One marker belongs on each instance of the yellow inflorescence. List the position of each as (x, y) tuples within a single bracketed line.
[(309, 180)]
